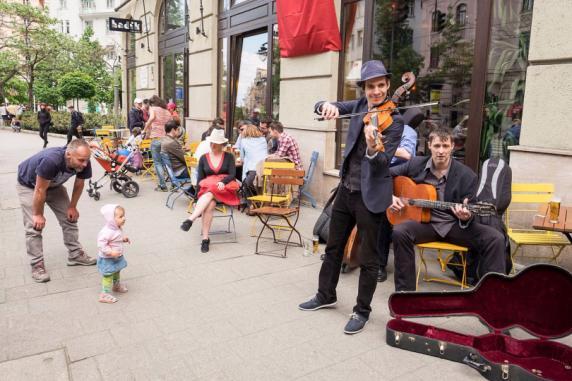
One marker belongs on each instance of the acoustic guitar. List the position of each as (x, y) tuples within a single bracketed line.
[(419, 199)]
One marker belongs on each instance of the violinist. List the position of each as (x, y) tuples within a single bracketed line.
[(364, 193)]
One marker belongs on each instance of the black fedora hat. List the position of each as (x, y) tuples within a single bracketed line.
[(372, 69)]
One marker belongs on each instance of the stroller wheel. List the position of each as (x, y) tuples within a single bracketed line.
[(130, 189), (117, 186), (96, 196)]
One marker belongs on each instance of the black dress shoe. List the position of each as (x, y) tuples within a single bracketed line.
[(381, 274), (205, 245), (186, 225)]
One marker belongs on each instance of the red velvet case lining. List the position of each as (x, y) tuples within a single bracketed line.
[(549, 356), (538, 299)]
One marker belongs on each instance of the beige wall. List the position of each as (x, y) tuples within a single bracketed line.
[(545, 153)]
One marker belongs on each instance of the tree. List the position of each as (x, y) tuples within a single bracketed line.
[(76, 85), (9, 67), (31, 39), (394, 39)]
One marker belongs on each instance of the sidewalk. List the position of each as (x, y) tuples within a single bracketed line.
[(225, 315)]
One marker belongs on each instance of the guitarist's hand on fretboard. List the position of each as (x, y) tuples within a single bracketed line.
[(461, 211)]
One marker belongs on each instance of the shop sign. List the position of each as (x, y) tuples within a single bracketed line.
[(124, 25)]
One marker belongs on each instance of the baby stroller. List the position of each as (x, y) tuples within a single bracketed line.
[(116, 172)]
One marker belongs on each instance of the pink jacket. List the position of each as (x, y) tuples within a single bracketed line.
[(110, 237)]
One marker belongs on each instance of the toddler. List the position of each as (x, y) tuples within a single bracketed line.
[(110, 259)]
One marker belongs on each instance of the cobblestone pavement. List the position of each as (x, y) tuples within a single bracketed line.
[(225, 315)]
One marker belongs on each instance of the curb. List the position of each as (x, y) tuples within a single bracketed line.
[(51, 134)]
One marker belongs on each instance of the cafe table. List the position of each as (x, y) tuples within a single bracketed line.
[(564, 224)]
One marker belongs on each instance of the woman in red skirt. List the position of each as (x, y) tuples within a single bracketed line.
[(216, 179)]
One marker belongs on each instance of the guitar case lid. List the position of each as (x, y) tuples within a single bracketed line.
[(538, 299)]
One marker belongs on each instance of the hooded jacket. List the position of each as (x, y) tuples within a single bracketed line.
[(110, 237)]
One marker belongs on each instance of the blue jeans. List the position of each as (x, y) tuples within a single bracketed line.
[(158, 161)]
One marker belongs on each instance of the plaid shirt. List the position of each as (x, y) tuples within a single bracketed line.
[(287, 147)]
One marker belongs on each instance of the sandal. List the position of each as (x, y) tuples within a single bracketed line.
[(119, 287), (107, 298)]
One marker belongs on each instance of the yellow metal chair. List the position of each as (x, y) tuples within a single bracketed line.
[(443, 261), (108, 127), (193, 147), (526, 199), (100, 133), (148, 165), (266, 197), (292, 180)]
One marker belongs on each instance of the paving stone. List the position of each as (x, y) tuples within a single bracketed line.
[(45, 366), (85, 370), (89, 345)]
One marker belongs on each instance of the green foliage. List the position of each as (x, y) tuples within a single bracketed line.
[(76, 85), (15, 91), (61, 121), (9, 67), (394, 39)]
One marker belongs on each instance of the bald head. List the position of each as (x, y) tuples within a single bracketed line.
[(77, 154)]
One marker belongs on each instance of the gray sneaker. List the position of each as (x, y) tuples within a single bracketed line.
[(39, 273), (314, 304), (355, 324), (82, 260)]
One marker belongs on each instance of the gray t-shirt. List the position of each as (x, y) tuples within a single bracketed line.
[(49, 164)]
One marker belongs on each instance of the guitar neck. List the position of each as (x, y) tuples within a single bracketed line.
[(444, 205)]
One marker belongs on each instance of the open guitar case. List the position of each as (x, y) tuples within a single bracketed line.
[(537, 300)]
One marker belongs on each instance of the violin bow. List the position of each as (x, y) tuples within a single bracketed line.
[(347, 116)]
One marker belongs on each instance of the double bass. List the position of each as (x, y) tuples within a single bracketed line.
[(380, 117)]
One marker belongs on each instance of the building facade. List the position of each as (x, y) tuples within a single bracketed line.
[(484, 61), (75, 16)]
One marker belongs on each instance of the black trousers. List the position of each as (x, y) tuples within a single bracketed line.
[(349, 209), (72, 131), (44, 132), (248, 187), (488, 242), (384, 240)]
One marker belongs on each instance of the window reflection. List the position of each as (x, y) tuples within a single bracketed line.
[(508, 60), (250, 95), (353, 52), (275, 73), (172, 15), (440, 54), (173, 79), (223, 79)]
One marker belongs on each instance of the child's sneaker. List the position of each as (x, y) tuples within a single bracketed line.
[(107, 298)]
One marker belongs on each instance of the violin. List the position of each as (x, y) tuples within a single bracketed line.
[(380, 115)]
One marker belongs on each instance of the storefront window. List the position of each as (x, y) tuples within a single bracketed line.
[(223, 5), (353, 29), (172, 15), (275, 74), (442, 62), (250, 94), (131, 84), (173, 79), (507, 63), (223, 79)]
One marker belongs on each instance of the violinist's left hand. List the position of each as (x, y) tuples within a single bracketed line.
[(369, 132)]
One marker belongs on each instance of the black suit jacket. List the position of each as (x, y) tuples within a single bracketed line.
[(462, 182), (376, 182), (135, 119)]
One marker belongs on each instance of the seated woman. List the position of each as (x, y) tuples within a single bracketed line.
[(253, 150), (216, 180)]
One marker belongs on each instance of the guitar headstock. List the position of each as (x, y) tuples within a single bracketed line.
[(484, 209)]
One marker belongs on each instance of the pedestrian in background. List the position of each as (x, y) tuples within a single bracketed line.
[(155, 130), (44, 120), (135, 117), (110, 258), (76, 124)]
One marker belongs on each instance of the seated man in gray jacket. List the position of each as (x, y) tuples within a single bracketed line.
[(174, 151)]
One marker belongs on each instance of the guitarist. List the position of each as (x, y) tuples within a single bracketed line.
[(363, 196), (456, 183)]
